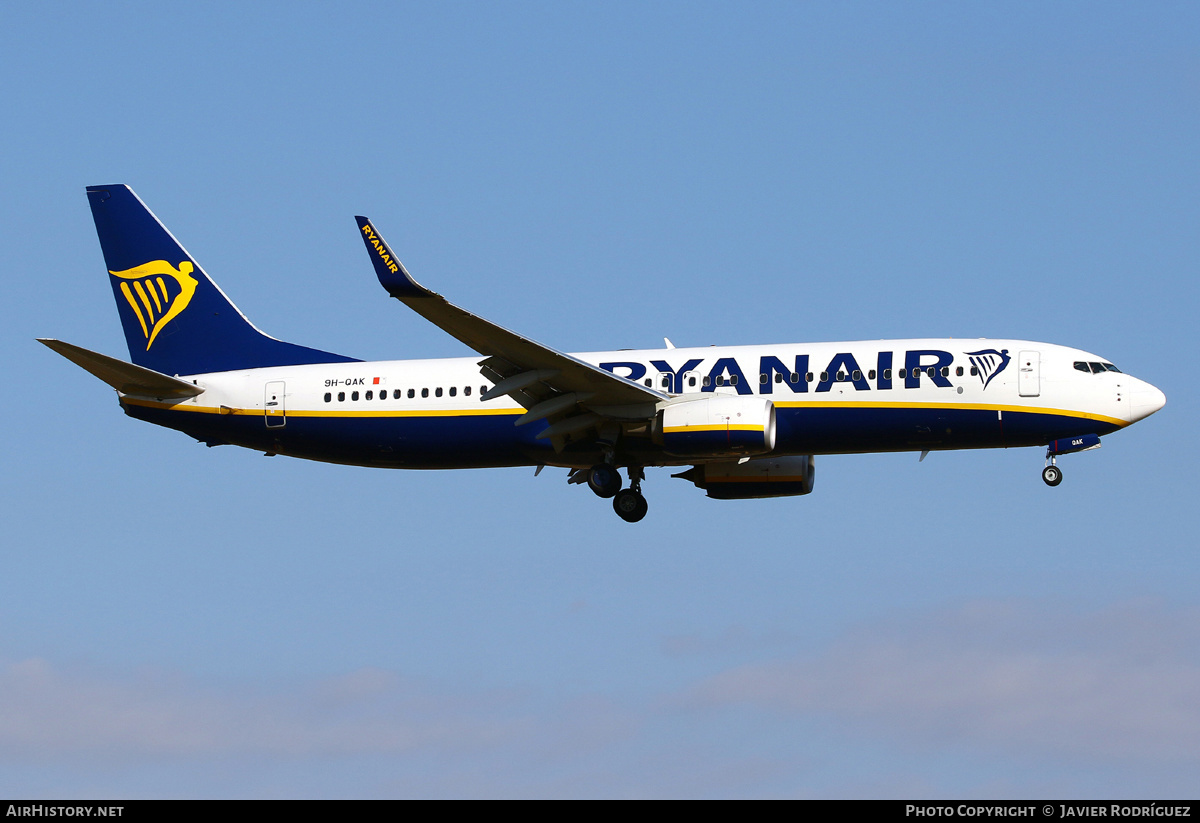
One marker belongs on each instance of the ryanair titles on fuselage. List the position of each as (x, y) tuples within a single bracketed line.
[(843, 368)]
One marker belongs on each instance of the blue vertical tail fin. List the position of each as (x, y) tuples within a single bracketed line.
[(176, 320)]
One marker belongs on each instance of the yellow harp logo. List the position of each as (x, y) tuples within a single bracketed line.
[(155, 300)]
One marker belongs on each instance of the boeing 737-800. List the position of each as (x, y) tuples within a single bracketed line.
[(745, 421)]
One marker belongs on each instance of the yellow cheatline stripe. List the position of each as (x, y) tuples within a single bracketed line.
[(752, 479), (182, 406), (133, 305), (875, 404), (672, 430)]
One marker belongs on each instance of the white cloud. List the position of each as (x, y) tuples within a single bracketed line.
[(1118, 684), (44, 711)]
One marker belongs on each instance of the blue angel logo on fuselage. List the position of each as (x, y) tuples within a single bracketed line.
[(989, 363)]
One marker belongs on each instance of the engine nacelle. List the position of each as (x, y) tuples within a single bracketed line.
[(719, 426), (763, 477)]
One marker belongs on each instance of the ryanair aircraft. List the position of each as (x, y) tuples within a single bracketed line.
[(746, 421)]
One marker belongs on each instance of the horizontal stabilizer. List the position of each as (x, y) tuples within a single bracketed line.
[(124, 377)]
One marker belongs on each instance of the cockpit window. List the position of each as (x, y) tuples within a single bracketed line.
[(1095, 368)]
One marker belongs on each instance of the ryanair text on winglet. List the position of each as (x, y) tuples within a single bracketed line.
[(380, 249)]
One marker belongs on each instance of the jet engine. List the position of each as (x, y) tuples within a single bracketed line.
[(718, 426), (762, 477)]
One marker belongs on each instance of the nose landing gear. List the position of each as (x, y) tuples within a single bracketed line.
[(1052, 474)]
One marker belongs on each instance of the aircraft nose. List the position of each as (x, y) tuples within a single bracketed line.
[(1144, 401)]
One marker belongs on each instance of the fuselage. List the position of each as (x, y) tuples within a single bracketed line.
[(829, 398)]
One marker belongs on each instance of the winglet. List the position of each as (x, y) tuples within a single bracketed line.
[(391, 272)]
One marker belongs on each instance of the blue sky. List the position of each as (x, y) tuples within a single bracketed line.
[(182, 621)]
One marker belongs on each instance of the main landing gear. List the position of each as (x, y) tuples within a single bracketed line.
[(629, 504), (604, 480)]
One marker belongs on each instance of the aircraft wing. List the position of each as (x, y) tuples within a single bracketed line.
[(548, 383)]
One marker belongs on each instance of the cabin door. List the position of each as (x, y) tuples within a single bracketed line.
[(273, 409), (1029, 374)]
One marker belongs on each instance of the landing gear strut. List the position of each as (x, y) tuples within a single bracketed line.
[(1052, 474), (629, 504)]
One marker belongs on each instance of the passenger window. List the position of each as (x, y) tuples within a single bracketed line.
[(453, 390), (649, 383), (808, 377), (483, 389), (692, 381), (762, 379), (945, 371), (353, 395), (328, 397), (778, 377), (437, 392), (974, 371), (841, 375), (824, 377), (370, 395), (341, 397), (931, 371), (871, 374), (720, 380), (795, 378), (733, 379), (857, 375), (887, 374), (396, 394), (424, 392), (466, 391), (958, 372), (903, 373)]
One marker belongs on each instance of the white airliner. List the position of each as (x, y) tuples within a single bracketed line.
[(746, 420)]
